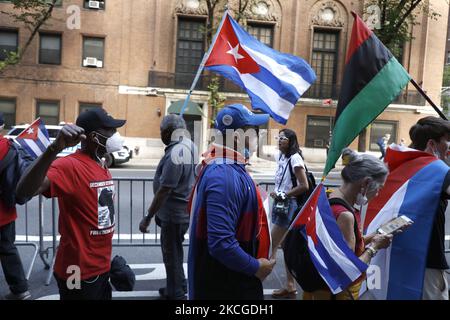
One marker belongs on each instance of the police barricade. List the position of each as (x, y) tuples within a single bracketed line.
[(36, 228), (38, 220)]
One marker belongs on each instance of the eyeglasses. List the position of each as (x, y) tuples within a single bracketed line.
[(281, 138)]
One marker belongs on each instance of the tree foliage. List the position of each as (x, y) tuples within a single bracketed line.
[(446, 79), (394, 19), (216, 99), (32, 14)]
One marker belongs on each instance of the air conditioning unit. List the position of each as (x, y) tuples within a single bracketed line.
[(94, 4), (92, 62)]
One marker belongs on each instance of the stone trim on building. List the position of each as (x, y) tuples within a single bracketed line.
[(328, 13)]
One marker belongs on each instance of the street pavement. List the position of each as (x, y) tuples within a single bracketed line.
[(132, 200)]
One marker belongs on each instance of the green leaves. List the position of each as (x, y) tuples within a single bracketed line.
[(216, 100), (32, 14), (396, 19)]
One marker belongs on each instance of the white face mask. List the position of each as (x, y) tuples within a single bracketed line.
[(361, 200), (113, 143)]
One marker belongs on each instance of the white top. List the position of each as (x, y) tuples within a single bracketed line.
[(282, 163)]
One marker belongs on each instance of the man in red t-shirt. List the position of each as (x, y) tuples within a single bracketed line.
[(85, 190), (10, 259)]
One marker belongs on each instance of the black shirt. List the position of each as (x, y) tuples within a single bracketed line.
[(436, 249)]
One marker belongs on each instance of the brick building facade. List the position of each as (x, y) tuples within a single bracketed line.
[(136, 58)]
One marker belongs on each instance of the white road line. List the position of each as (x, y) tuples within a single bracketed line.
[(123, 236), (115, 294), (158, 271), (133, 294)]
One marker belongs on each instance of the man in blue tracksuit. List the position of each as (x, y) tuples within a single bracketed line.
[(229, 235)]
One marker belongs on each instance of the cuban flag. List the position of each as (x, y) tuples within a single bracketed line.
[(413, 189), (336, 263), (274, 81), (34, 139)]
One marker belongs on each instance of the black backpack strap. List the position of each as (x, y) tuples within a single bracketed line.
[(339, 201), (291, 172), (285, 169), (304, 164)]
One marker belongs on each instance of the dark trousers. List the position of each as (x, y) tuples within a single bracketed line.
[(95, 288), (172, 237), (10, 259), (383, 152)]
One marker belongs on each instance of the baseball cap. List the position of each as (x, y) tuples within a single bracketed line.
[(2, 121), (121, 275), (97, 118), (236, 116)]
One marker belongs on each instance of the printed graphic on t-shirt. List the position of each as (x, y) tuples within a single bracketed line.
[(105, 197)]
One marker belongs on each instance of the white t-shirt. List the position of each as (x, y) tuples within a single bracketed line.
[(282, 163)]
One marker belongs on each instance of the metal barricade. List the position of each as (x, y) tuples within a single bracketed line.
[(133, 196), (34, 231)]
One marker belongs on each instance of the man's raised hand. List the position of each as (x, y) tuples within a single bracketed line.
[(70, 135)]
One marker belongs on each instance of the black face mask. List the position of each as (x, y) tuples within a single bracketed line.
[(166, 138)]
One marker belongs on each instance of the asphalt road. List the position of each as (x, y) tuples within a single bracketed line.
[(132, 200)]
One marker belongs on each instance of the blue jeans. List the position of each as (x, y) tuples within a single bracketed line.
[(282, 220)]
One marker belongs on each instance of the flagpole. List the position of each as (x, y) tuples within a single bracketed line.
[(414, 83), (274, 254), (202, 64)]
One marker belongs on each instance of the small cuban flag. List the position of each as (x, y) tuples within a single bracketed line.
[(336, 263), (34, 139)]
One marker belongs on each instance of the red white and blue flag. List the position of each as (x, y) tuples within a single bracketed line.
[(34, 139), (336, 263), (413, 188), (273, 80)]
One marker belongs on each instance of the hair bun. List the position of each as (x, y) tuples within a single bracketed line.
[(348, 156)]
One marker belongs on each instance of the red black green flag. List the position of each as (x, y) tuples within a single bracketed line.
[(373, 78)]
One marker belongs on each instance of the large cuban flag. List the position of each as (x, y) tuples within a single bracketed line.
[(336, 263), (274, 81), (34, 139), (413, 189)]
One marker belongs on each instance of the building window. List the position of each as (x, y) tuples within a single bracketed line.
[(262, 32), (93, 52), (94, 5), (318, 131), (190, 49), (324, 62), (50, 48), (48, 111), (448, 57), (378, 129), (9, 42), (87, 106), (8, 107)]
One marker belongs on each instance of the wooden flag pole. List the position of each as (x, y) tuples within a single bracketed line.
[(414, 83)]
